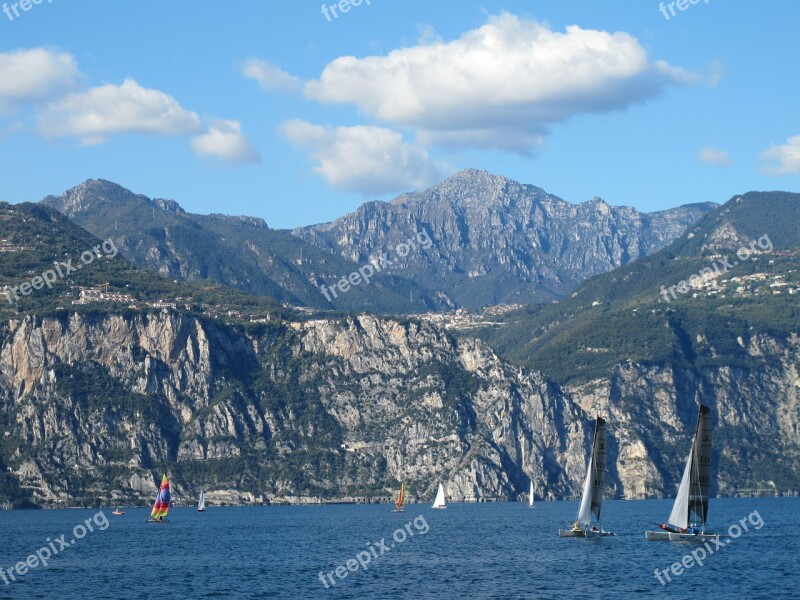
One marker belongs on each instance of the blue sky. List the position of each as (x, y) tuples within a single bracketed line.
[(275, 110)]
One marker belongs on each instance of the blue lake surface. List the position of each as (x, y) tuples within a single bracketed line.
[(468, 551)]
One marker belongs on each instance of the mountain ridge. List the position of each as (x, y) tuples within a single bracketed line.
[(473, 260), (499, 241)]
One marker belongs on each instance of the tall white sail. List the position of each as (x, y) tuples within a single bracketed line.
[(679, 517), (530, 496), (593, 486), (696, 481), (201, 505), (439, 502)]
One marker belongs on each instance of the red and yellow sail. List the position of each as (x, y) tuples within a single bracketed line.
[(161, 505), (401, 499)]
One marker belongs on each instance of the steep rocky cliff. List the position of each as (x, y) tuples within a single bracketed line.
[(95, 406)]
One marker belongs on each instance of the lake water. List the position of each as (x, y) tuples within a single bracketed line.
[(466, 551)]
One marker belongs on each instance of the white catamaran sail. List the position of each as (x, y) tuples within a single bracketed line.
[(530, 497), (439, 502), (593, 487), (693, 491), (201, 504)]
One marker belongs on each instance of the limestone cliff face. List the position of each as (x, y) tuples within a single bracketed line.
[(652, 412), (94, 407)]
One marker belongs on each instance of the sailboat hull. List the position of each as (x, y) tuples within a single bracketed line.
[(581, 533), (571, 533), (657, 536), (156, 521), (693, 537)]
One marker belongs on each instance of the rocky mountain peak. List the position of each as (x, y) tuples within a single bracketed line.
[(96, 193)]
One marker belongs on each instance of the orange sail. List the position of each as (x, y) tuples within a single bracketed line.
[(400, 505)]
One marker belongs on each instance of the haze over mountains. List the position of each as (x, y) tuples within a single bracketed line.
[(493, 241)]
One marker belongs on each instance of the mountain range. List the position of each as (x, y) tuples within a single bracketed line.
[(492, 241), (261, 402)]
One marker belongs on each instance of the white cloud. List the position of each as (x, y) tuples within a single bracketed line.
[(270, 77), (94, 115), (499, 86), (712, 156), (225, 140), (369, 160), (33, 75), (785, 158)]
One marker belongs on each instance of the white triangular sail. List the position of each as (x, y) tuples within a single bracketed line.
[(201, 505), (530, 496), (696, 481), (439, 502), (592, 497)]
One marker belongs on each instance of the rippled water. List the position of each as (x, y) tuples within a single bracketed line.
[(467, 551)]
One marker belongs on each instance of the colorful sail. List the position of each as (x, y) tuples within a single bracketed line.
[(161, 505), (401, 499)]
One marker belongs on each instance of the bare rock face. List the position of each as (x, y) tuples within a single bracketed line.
[(494, 240), (322, 409), (652, 412), (95, 407)]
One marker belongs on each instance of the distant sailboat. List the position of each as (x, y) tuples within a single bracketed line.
[(694, 490), (400, 505), (593, 487), (201, 504), (161, 505), (439, 502), (530, 497)]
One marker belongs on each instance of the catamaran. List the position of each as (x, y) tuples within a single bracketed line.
[(400, 505), (693, 491), (439, 501), (161, 505), (592, 496), (530, 497), (201, 504)]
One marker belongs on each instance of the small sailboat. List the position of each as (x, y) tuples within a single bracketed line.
[(693, 491), (530, 497), (118, 512), (593, 487), (201, 504), (161, 505), (439, 501), (400, 505)]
